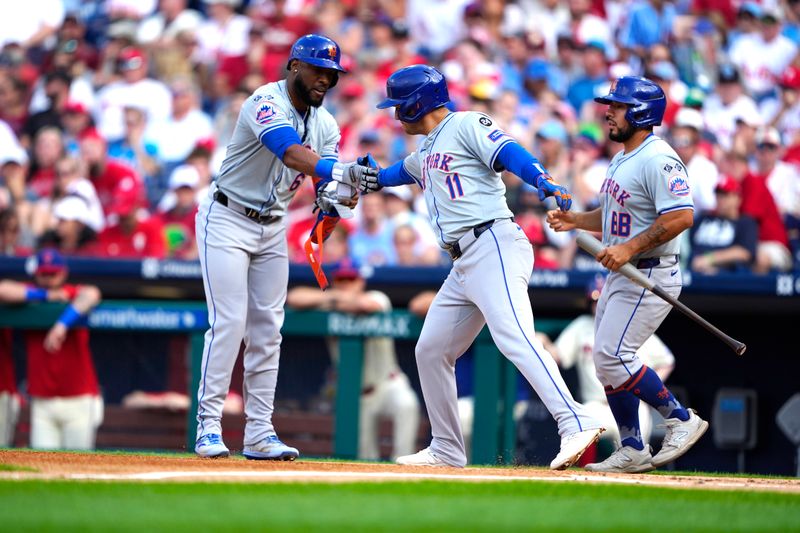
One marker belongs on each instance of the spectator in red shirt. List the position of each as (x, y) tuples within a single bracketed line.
[(66, 406), (108, 176), (135, 233), (757, 202)]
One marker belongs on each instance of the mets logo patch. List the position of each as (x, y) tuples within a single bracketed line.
[(678, 185), (265, 113)]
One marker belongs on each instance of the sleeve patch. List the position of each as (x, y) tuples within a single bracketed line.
[(496, 134), (678, 185), (265, 113), (486, 121)]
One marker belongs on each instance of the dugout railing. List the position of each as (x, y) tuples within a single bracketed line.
[(494, 376)]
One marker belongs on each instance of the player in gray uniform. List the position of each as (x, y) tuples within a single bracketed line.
[(645, 204), (282, 135), (458, 168)]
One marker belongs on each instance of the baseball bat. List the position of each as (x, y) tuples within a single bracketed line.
[(593, 246)]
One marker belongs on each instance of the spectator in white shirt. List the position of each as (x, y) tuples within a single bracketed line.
[(723, 107), (134, 89), (163, 26), (703, 173)]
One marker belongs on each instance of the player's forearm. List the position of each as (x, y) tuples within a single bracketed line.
[(590, 220), (306, 298), (87, 299), (301, 159), (665, 228), (13, 292)]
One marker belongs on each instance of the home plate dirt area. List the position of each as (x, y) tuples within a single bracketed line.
[(28, 464)]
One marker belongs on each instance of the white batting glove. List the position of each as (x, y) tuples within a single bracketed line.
[(352, 173)]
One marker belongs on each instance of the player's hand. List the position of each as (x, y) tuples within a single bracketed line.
[(614, 257), (55, 337), (352, 173), (57, 295), (368, 182), (562, 220), (547, 187)]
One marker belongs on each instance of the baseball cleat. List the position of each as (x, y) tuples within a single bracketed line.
[(271, 449), (422, 458), (573, 446), (625, 460), (680, 437), (210, 446)]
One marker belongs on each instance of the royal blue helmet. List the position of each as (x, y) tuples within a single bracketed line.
[(645, 100), (317, 50), (417, 90)]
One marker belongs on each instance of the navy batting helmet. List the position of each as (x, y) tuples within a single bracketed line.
[(417, 90), (317, 50), (645, 100)]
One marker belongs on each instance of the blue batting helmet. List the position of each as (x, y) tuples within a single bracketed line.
[(317, 50), (417, 90), (645, 100)]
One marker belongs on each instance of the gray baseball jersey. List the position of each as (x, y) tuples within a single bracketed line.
[(641, 186), (253, 175), (488, 284), (455, 168)]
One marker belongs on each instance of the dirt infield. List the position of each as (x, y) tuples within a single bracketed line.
[(26, 464)]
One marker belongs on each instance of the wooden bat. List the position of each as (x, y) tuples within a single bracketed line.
[(593, 246)]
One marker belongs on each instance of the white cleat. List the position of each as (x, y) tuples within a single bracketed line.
[(573, 446), (422, 458), (625, 460), (680, 436), (270, 449), (210, 446)]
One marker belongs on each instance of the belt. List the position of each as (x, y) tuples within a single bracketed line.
[(651, 262), (457, 249), (249, 212)]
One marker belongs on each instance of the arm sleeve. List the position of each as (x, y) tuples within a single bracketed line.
[(279, 139), (518, 160), (668, 183), (483, 139), (395, 175)]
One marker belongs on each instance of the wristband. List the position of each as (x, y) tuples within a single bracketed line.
[(69, 317), (35, 294), (324, 168)]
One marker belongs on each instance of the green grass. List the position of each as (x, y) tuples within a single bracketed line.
[(372, 507), (16, 468)]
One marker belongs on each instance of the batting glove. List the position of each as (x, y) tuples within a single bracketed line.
[(369, 183), (335, 199), (547, 187), (352, 173)]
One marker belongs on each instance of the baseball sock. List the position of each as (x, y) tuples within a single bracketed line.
[(650, 389), (625, 408)]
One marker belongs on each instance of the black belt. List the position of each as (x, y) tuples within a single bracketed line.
[(249, 212), (651, 262), (454, 249)]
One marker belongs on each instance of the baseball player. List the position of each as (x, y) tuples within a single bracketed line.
[(66, 406), (645, 204), (458, 168), (282, 135), (574, 347)]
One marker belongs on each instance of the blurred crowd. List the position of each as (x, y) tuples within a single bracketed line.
[(115, 114)]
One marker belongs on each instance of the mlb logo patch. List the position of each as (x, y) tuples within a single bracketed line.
[(496, 134), (264, 114), (678, 185)]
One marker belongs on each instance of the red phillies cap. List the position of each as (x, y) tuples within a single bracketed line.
[(50, 261), (728, 184), (90, 133), (127, 198), (346, 270), (131, 58), (791, 78), (73, 106)]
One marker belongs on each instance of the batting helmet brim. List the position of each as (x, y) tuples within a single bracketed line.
[(389, 102), (607, 99)]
